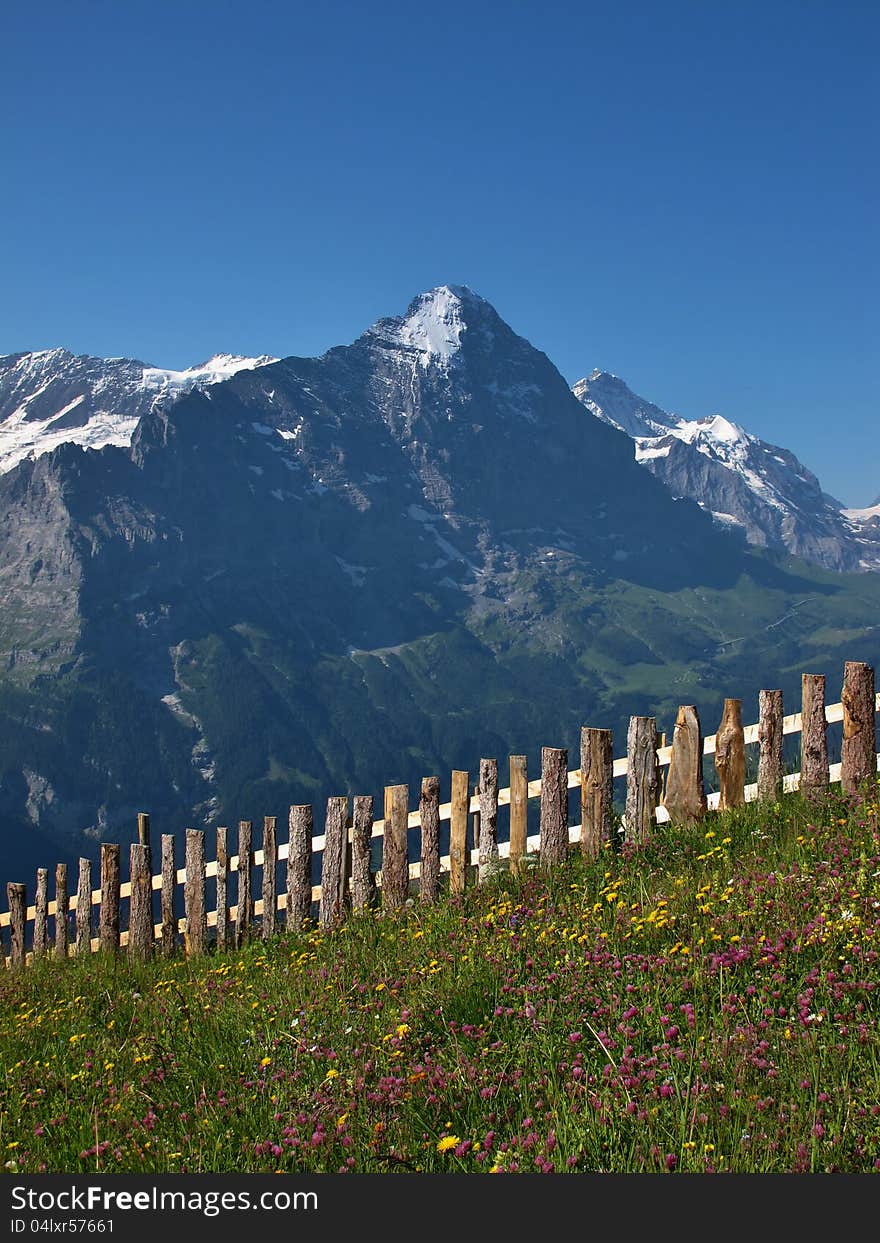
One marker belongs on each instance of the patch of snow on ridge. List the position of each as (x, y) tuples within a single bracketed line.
[(434, 325), (215, 370), (24, 440)]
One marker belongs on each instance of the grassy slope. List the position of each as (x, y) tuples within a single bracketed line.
[(707, 1002)]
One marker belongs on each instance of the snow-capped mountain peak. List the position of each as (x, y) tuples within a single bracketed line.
[(434, 326), (52, 397)]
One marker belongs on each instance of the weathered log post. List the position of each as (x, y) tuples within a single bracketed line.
[(299, 866), (642, 778), (108, 922), (143, 829), (62, 909), (859, 749), (41, 913), (597, 790), (196, 933), (730, 757), (222, 933), (685, 796), (334, 877), (270, 859), (770, 740), (84, 907), (429, 819), (16, 896), (244, 911), (814, 739), (140, 905), (458, 832), (488, 838), (169, 880), (395, 863), (363, 882), (519, 811), (553, 841)]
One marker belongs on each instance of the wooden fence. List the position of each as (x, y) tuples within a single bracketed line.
[(348, 880)]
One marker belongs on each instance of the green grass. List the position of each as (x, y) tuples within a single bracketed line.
[(707, 1002)]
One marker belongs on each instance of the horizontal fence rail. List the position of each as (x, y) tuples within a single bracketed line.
[(347, 875)]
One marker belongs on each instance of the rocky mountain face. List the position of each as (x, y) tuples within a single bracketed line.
[(52, 397), (751, 486), (323, 575)]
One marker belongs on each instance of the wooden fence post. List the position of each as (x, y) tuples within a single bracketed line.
[(770, 740), (143, 825), (108, 921), (270, 859), (814, 739), (222, 934), (299, 866), (488, 839), (140, 906), (429, 818), (597, 790), (334, 880), (196, 933), (859, 750), (84, 907), (169, 880), (62, 906), (553, 843), (244, 911), (685, 797), (16, 896), (458, 853), (642, 778), (519, 817), (395, 868), (41, 913), (363, 883), (730, 756)]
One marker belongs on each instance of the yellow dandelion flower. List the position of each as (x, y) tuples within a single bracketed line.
[(332, 1073), (448, 1142), (266, 1061)]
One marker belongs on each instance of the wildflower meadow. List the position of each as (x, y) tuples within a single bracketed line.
[(707, 1002)]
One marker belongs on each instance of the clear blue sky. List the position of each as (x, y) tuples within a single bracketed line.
[(684, 193)]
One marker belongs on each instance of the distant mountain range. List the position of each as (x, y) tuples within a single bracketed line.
[(261, 582), (742, 481)]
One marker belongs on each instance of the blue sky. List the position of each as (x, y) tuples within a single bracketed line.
[(683, 193)]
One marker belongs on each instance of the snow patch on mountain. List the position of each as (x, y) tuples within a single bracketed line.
[(433, 329), (218, 368)]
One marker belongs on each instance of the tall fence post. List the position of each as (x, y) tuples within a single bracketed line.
[(140, 906), (108, 921), (169, 879), (770, 740), (196, 929), (334, 879), (16, 896), (299, 865), (363, 883), (642, 778), (84, 907), (553, 842), (487, 845), (859, 749), (270, 859), (814, 739), (519, 811), (685, 794), (395, 868), (41, 913), (62, 906), (730, 756), (244, 911), (222, 932), (429, 819), (458, 831), (597, 790)]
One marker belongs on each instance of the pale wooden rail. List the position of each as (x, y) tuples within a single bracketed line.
[(791, 724)]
